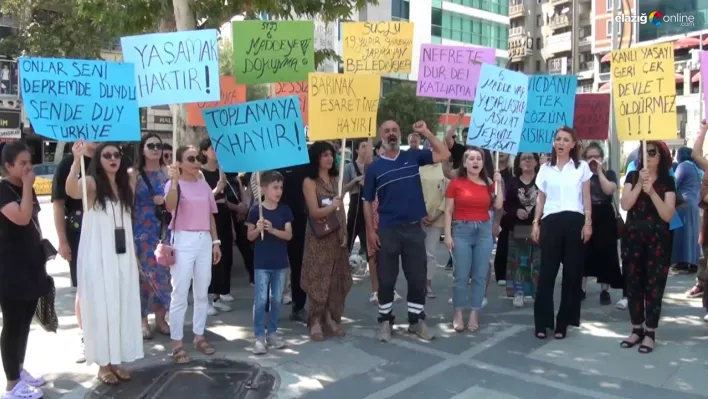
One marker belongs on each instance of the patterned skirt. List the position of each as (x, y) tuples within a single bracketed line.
[(523, 266)]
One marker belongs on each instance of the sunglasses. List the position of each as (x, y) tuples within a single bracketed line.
[(190, 159), (652, 153), (153, 146), (111, 155)]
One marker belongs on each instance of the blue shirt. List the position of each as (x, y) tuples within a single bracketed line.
[(271, 253), (397, 184)]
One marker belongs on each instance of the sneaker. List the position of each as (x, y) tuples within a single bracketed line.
[(396, 297), (421, 330), (605, 298), (449, 301), (30, 380), (211, 310), (695, 292), (374, 297), (299, 316), (226, 298), (705, 318), (383, 333), (23, 391), (259, 347), (220, 305), (287, 299), (519, 301), (622, 304), (484, 302), (81, 358), (430, 293), (501, 283), (274, 341)]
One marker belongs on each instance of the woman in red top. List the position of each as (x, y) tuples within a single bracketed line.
[(468, 233)]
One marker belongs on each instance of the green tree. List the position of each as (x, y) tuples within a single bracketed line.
[(403, 106)]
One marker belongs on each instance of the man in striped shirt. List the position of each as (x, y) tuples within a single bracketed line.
[(394, 179)]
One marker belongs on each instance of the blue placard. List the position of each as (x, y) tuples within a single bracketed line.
[(551, 105), (174, 68), (499, 107), (67, 99), (258, 135)]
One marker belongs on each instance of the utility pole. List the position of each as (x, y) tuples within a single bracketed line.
[(613, 139), (574, 37)]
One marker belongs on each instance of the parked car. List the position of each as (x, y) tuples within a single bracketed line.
[(45, 175)]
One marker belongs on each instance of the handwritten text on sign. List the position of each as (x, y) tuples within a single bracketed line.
[(451, 71), (69, 99), (174, 68), (258, 135), (231, 93), (644, 89), (591, 119), (551, 102), (273, 51), (377, 47), (342, 106), (291, 89), (498, 112)]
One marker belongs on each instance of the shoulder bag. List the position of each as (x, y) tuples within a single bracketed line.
[(160, 210), (621, 227), (164, 252), (324, 226), (522, 232)]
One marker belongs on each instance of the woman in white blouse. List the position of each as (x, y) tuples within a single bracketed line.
[(563, 213)]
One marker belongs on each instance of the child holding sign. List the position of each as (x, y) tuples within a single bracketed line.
[(271, 232)]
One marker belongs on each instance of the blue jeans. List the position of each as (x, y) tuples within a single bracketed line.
[(472, 252), (263, 280)]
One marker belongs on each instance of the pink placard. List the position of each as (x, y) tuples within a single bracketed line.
[(704, 76), (591, 119), (451, 72)]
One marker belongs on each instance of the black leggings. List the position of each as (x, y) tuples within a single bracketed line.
[(16, 320)]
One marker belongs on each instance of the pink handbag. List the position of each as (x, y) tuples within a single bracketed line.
[(165, 252)]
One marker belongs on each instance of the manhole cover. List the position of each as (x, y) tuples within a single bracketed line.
[(212, 379)]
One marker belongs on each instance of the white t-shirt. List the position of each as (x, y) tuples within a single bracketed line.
[(563, 188)]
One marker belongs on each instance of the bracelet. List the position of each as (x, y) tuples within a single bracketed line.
[(216, 242), (535, 221)]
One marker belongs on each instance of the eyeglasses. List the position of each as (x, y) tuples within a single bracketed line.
[(153, 146), (652, 153), (111, 155), (190, 159)]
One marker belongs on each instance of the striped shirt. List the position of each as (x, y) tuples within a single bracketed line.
[(397, 184)]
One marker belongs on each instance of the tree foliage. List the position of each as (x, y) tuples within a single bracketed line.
[(403, 106)]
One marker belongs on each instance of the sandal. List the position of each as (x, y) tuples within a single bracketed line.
[(179, 355), (560, 332), (639, 332), (540, 333), (473, 327), (147, 333), (648, 349), (317, 336), (122, 374), (163, 329), (108, 378), (203, 346), (337, 331)]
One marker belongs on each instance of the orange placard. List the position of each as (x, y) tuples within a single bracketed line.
[(291, 89), (231, 93)]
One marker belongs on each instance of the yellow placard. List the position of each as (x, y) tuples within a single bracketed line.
[(377, 47), (342, 106), (644, 92)]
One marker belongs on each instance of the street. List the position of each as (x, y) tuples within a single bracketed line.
[(501, 361)]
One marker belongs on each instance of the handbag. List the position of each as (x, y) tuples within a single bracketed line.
[(160, 210), (45, 313), (621, 227), (323, 227), (164, 252), (48, 250), (522, 232)]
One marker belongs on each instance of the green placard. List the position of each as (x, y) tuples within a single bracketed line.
[(273, 51)]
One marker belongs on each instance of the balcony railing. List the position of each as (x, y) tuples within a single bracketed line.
[(559, 21), (587, 66), (517, 31), (558, 2), (516, 10), (558, 43), (585, 41), (516, 53)]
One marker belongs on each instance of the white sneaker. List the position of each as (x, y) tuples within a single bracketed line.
[(259, 348), (226, 298), (287, 299), (23, 391), (211, 310), (449, 301), (622, 304), (519, 301), (484, 302), (81, 356), (396, 297), (705, 318), (274, 341), (220, 305), (501, 283), (374, 298), (30, 380)]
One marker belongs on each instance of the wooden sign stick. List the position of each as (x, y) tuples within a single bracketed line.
[(84, 195), (341, 166)]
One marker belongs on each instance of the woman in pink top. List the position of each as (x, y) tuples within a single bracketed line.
[(196, 244)]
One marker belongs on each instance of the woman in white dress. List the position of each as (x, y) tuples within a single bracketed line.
[(108, 286)]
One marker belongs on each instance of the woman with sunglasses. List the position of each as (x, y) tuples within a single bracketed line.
[(108, 271), (196, 245), (649, 197), (148, 226)]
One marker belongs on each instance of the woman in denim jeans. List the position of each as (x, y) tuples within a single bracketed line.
[(468, 233)]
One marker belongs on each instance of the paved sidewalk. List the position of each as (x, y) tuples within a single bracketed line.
[(502, 361)]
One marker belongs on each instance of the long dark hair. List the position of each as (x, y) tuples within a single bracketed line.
[(104, 191), (574, 154), (204, 144), (316, 151), (462, 170), (141, 150), (517, 163), (664, 159)]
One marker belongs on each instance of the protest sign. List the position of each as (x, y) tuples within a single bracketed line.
[(550, 105), (591, 119), (231, 93), (295, 89), (174, 68), (342, 106), (644, 92), (67, 99), (257, 135), (377, 47), (498, 112), (273, 51), (451, 72)]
